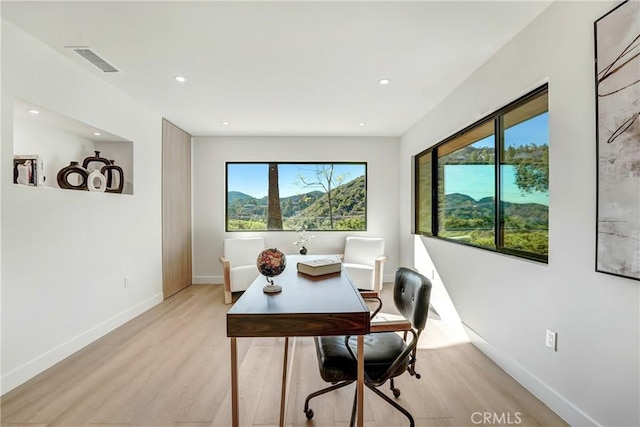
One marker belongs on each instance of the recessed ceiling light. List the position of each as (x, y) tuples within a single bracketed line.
[(361, 124), (97, 133), (180, 79), (225, 123), (34, 111), (384, 81)]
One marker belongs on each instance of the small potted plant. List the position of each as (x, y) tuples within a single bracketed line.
[(303, 238)]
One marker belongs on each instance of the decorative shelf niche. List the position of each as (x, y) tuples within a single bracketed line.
[(54, 141)]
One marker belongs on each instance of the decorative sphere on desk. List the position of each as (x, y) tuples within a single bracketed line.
[(271, 262)]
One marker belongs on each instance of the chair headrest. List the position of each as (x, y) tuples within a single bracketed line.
[(243, 250), (411, 295), (363, 250)]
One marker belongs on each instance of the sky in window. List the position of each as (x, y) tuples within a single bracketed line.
[(533, 131), (477, 181), (253, 178)]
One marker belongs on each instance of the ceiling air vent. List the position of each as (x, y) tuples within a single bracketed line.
[(92, 57)]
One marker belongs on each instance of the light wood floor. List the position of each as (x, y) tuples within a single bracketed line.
[(170, 367)]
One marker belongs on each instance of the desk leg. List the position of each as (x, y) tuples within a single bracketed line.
[(234, 384), (360, 382), (283, 393)]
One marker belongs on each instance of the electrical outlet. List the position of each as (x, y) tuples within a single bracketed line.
[(126, 281), (552, 340)]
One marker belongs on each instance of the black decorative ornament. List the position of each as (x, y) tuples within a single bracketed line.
[(73, 168), (97, 159), (109, 171)]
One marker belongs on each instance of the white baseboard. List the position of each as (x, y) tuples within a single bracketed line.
[(207, 280), (30, 369), (558, 404)]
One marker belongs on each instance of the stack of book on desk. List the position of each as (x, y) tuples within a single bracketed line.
[(319, 267)]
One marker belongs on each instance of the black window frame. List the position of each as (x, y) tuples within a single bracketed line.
[(432, 153)]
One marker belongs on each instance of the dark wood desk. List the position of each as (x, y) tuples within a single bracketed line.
[(307, 306)]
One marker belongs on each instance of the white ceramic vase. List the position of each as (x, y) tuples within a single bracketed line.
[(97, 181)]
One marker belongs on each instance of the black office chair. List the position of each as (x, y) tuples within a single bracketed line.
[(386, 354)]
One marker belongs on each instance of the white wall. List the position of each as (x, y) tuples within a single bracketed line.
[(65, 253), (593, 378), (211, 153)]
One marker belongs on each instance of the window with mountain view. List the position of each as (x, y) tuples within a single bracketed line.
[(293, 196), (489, 184), (466, 190)]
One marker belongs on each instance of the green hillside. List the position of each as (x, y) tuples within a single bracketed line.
[(310, 210), (463, 212), (236, 196), (349, 207), (465, 219)]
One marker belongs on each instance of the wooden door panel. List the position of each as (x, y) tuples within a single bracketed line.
[(176, 209)]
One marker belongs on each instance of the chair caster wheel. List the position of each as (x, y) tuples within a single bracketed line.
[(418, 376), (396, 393), (309, 413)]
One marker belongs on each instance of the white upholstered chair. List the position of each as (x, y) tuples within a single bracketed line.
[(364, 262), (239, 264)]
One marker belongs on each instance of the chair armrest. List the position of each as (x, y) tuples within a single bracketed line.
[(226, 270), (372, 295), (390, 328), (369, 294), (384, 322), (378, 276)]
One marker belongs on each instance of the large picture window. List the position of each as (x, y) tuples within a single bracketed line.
[(293, 196), (488, 185)]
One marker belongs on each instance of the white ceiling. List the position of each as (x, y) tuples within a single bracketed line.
[(282, 68)]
